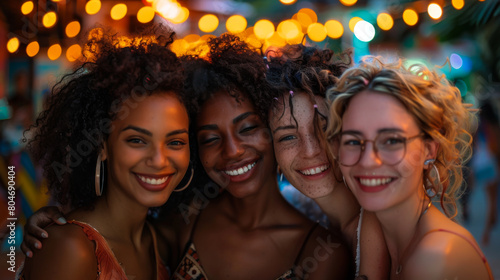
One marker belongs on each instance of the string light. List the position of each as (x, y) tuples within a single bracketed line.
[(72, 29), (364, 31), (54, 52), (27, 7), (410, 17), (236, 24), (457, 4), (263, 29), (13, 44), (32, 49), (92, 7), (334, 29), (181, 17), (348, 2), (208, 23), (353, 22), (385, 21), (434, 10), (288, 2), (49, 19), (74, 52), (118, 11), (316, 32), (145, 14)]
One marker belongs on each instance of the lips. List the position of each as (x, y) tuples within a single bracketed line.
[(241, 170), (374, 184), (153, 182), (315, 170)]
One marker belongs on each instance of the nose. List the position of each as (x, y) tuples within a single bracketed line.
[(232, 148), (368, 156), (311, 146), (158, 157)]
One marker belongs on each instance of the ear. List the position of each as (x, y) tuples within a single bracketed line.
[(431, 149), (104, 151)]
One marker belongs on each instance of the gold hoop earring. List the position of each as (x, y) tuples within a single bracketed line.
[(189, 182), (99, 176)]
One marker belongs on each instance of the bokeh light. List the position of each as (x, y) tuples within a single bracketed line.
[(72, 29), (13, 44), (457, 4), (145, 14), (289, 29), (288, 2), (32, 49), (456, 61), (410, 17), (316, 32), (434, 10), (385, 21), (92, 7), (348, 2), (208, 23), (353, 22), (263, 29), (49, 19), (27, 7), (312, 14), (74, 52), (334, 29), (364, 31), (236, 24), (181, 17), (118, 11), (54, 52), (191, 38), (304, 20)]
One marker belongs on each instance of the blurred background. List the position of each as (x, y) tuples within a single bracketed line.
[(41, 39)]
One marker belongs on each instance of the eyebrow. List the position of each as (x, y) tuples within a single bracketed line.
[(149, 133), (235, 120), (284, 127)]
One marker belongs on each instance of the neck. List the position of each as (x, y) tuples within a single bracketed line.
[(255, 210), (340, 206)]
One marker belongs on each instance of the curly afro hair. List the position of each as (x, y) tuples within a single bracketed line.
[(66, 138), (301, 69), (232, 66)]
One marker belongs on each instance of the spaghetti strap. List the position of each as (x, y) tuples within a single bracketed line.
[(304, 243), (473, 244)]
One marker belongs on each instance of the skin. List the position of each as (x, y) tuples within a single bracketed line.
[(299, 151), (438, 255), (141, 143), (250, 231)]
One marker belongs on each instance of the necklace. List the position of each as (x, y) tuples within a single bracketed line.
[(401, 260)]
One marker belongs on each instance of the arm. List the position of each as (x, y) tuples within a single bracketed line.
[(326, 256), (374, 257), (68, 254), (33, 230)]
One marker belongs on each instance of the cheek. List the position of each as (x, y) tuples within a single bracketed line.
[(412, 163)]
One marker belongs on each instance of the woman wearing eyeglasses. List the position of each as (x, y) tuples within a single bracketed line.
[(400, 136)]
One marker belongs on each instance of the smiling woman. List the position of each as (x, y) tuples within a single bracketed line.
[(400, 136), (121, 116)]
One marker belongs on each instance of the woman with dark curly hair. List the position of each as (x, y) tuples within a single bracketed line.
[(249, 231), (400, 136), (114, 142), (298, 116)]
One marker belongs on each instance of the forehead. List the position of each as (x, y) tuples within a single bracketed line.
[(371, 111), (303, 107), (224, 105)]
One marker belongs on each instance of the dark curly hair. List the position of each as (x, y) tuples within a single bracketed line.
[(232, 66), (67, 136), (298, 68)]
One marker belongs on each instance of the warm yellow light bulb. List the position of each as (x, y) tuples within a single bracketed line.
[(263, 29), (49, 19), (410, 17), (27, 7), (145, 14), (74, 52), (208, 23), (353, 22), (32, 49), (236, 24), (316, 32), (385, 21), (92, 7), (72, 29), (13, 44), (54, 52), (348, 2), (457, 4), (118, 11), (334, 29)]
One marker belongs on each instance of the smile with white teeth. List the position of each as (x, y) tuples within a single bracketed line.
[(314, 171), (375, 182), (153, 181), (241, 170)]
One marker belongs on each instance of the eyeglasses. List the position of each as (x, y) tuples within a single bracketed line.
[(389, 147)]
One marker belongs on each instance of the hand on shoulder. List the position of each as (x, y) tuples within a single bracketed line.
[(68, 254)]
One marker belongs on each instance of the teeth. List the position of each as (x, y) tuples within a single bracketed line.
[(375, 182), (241, 170), (314, 171), (153, 181)]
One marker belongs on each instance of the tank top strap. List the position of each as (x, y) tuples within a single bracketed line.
[(311, 230), (472, 243)]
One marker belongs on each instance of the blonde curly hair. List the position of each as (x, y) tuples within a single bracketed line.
[(436, 106)]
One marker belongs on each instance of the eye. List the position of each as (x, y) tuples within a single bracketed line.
[(287, 138), (208, 140), (136, 141), (248, 128), (177, 143), (351, 142)]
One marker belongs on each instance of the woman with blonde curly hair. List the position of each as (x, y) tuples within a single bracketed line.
[(400, 136)]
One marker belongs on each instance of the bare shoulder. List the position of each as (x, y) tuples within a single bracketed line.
[(325, 256), (374, 256), (67, 254), (448, 253)]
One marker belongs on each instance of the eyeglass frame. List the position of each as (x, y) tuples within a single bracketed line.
[(375, 149)]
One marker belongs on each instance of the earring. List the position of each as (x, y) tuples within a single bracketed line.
[(189, 182), (430, 191), (281, 173), (99, 176), (345, 183)]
